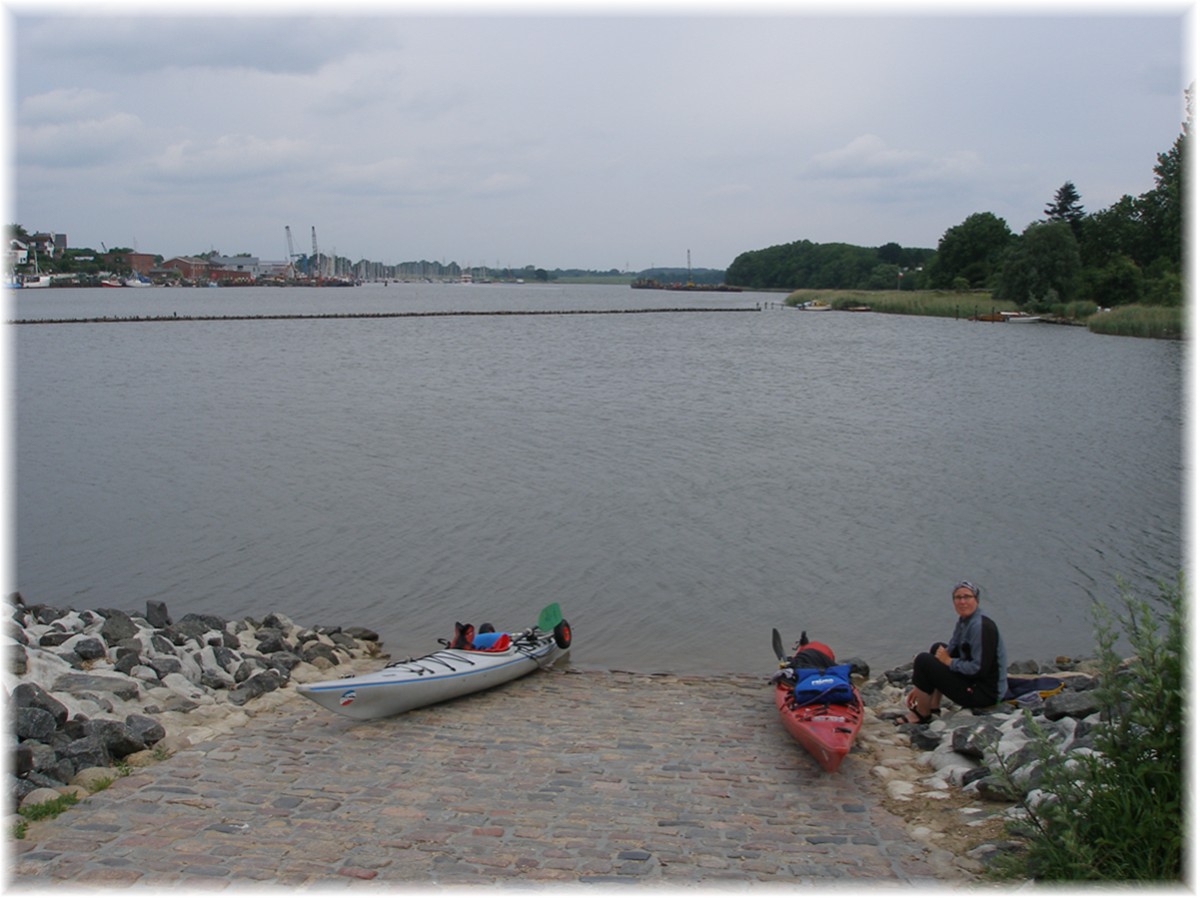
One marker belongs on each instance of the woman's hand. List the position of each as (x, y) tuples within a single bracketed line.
[(943, 656)]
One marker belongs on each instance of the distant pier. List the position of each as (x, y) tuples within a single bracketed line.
[(96, 320)]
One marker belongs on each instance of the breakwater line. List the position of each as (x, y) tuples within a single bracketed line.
[(175, 317)]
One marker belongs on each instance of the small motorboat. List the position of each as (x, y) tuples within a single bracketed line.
[(469, 663), (818, 704)]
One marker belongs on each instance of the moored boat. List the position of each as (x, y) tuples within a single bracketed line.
[(818, 704), (470, 663), (1006, 317)]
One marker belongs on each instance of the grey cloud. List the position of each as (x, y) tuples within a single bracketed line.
[(130, 45)]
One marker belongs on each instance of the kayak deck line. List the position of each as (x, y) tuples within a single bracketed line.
[(436, 656)]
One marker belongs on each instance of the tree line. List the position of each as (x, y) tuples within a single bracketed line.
[(1130, 252), (804, 264)]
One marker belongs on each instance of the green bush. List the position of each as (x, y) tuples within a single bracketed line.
[(1116, 815), (1078, 309)]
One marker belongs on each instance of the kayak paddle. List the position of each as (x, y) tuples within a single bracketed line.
[(549, 617), (777, 645)]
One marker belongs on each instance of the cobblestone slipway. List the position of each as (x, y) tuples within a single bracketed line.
[(564, 778)]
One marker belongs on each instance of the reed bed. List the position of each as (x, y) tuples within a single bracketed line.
[(1139, 321), (906, 303), (1131, 321)]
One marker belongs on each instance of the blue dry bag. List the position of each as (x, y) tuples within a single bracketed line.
[(831, 685)]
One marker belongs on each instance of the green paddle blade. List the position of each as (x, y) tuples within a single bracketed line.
[(777, 644), (549, 617)]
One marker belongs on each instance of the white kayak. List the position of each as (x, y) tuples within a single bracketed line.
[(443, 674)]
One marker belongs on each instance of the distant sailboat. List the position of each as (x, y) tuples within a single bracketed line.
[(38, 280)]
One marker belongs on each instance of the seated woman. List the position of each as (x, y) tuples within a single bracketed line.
[(971, 670)]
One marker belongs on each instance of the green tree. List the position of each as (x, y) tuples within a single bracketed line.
[(891, 253), (1163, 205), (1066, 208), (973, 250), (883, 278), (804, 264), (1112, 232), (1118, 283), (1042, 267)]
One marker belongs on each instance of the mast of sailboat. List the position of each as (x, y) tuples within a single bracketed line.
[(689, 265), (315, 273)]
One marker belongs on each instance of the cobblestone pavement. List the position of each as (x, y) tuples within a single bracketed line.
[(564, 778)]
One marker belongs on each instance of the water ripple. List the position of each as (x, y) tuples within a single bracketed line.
[(679, 484)]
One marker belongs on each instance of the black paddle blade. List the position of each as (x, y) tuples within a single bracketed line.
[(777, 644)]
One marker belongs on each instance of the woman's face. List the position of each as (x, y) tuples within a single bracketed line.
[(965, 603)]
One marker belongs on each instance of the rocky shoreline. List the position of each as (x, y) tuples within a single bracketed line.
[(90, 692), (95, 693), (942, 777)]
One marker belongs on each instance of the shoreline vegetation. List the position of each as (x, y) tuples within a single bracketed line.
[(1135, 320)]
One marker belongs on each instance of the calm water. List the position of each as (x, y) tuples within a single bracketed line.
[(680, 484)]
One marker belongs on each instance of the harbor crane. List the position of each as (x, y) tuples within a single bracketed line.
[(291, 264)]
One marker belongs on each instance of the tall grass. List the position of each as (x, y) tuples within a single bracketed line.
[(1116, 815), (1139, 321), (1134, 321), (947, 304)]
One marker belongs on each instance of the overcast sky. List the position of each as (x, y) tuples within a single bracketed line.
[(510, 137)]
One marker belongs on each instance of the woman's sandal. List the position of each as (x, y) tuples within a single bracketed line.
[(912, 704), (920, 719)]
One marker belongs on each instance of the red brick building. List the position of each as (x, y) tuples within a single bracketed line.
[(231, 276), (129, 261), (190, 268)]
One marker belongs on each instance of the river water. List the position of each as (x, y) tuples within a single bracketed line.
[(678, 483)]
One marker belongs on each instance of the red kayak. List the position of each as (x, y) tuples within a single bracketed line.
[(825, 724)]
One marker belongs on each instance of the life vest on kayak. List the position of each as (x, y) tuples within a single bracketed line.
[(492, 641)]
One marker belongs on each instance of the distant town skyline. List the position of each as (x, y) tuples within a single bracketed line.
[(571, 141), (53, 243)]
